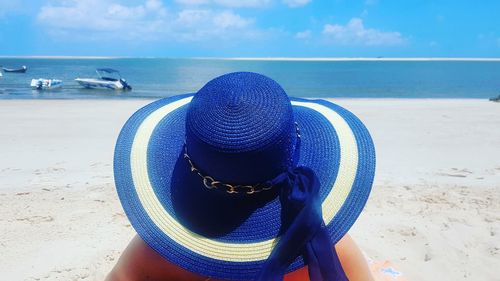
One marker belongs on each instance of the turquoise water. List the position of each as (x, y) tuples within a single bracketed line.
[(153, 78)]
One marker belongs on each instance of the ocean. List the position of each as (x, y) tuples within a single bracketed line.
[(162, 77)]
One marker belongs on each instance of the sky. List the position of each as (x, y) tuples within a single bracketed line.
[(250, 28)]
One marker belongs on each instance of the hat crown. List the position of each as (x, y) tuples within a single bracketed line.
[(240, 128)]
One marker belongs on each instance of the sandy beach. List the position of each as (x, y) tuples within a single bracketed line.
[(434, 210)]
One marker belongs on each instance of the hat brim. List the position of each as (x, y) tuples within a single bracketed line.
[(173, 213)]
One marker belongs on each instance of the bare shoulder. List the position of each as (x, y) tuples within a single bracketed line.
[(140, 262), (352, 260)]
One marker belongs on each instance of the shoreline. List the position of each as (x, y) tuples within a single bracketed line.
[(143, 98), (360, 59)]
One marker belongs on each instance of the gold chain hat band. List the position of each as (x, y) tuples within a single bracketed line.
[(210, 183)]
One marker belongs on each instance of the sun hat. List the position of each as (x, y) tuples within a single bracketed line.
[(216, 181)]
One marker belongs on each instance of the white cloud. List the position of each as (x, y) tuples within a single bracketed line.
[(306, 34), (243, 3), (192, 2), (154, 5), (191, 18), (296, 3), (198, 25), (7, 6), (228, 19), (99, 15), (228, 3), (150, 20), (355, 33)]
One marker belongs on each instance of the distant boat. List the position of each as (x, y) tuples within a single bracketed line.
[(45, 84), (496, 99), (16, 70), (105, 81)]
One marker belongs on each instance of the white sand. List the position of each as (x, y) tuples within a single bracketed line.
[(434, 210)]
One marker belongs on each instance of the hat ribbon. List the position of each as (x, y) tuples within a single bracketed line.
[(303, 230)]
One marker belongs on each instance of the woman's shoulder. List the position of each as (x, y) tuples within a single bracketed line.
[(141, 262)]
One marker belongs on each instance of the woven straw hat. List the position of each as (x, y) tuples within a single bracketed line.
[(193, 171)]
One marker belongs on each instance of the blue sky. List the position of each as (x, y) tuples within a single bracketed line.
[(250, 28)]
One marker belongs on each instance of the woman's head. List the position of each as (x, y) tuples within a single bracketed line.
[(179, 160)]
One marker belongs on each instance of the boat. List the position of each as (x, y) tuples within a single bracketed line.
[(496, 99), (107, 79), (45, 84), (16, 70)]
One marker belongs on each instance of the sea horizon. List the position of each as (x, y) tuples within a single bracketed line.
[(300, 77), (264, 58)]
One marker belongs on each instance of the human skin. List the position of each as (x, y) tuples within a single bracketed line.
[(140, 262)]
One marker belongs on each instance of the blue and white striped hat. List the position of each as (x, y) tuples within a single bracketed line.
[(195, 172)]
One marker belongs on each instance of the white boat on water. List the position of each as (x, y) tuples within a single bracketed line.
[(45, 84), (22, 69), (107, 79)]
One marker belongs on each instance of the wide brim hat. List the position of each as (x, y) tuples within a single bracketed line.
[(216, 234)]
